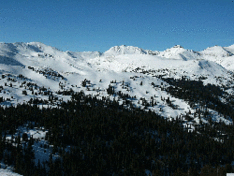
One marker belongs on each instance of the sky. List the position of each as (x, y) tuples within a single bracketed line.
[(91, 25)]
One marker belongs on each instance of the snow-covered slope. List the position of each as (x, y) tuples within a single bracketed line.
[(36, 68), (43, 75), (221, 55), (216, 51), (178, 52), (230, 49), (123, 49), (8, 172)]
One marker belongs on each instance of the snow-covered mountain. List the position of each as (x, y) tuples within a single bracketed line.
[(217, 51), (29, 70), (178, 52), (123, 49), (195, 87)]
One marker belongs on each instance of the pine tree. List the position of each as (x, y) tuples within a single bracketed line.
[(208, 170)]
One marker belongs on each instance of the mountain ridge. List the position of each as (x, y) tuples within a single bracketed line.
[(183, 89), (122, 49), (57, 71)]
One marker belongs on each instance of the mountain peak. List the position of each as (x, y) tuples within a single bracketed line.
[(217, 51), (178, 52), (123, 49), (177, 46)]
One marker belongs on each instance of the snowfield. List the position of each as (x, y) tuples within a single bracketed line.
[(33, 67), (30, 71)]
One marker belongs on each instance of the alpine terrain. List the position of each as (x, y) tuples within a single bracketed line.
[(126, 111)]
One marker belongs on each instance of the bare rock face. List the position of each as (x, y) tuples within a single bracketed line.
[(177, 46)]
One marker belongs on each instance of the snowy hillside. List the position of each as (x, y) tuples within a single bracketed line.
[(178, 52), (35, 70), (217, 51), (6, 172), (195, 87), (123, 49)]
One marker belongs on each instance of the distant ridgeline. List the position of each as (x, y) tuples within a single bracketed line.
[(127, 111)]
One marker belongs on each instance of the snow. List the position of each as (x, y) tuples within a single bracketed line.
[(123, 49), (179, 53), (147, 172), (8, 172), (123, 67), (229, 48), (216, 51), (38, 135), (119, 63)]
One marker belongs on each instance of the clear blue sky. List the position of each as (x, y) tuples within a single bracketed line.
[(91, 25)]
